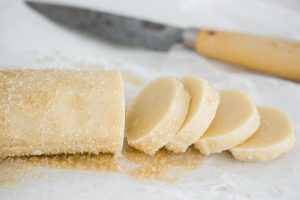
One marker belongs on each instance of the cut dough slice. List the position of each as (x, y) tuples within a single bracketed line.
[(156, 114), (61, 111), (236, 120), (203, 105), (274, 137)]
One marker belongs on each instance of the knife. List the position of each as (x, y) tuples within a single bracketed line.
[(272, 56)]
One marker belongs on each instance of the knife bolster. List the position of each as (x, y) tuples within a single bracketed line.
[(189, 37)]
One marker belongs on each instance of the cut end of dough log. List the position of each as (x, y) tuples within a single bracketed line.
[(156, 114), (235, 121), (203, 105), (274, 137)]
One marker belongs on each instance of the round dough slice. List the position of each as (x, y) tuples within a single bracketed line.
[(274, 137), (203, 106), (235, 121), (157, 114)]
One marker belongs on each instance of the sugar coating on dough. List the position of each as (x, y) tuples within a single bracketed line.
[(156, 114), (274, 137), (61, 111), (202, 109), (235, 121)]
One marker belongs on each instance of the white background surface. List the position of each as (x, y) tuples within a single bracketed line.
[(29, 40)]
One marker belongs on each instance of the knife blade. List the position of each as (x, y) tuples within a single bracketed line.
[(125, 30), (277, 57)]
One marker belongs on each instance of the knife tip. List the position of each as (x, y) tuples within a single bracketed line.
[(29, 3), (33, 3), (38, 6)]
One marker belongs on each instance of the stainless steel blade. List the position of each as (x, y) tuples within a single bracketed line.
[(125, 30)]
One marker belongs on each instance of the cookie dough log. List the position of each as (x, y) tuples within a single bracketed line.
[(203, 105), (61, 111), (274, 137), (235, 121), (156, 114)]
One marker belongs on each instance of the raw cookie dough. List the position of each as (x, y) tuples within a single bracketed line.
[(274, 137), (203, 105), (61, 111), (235, 121), (156, 114)]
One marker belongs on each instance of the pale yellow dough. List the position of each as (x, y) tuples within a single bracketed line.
[(61, 111), (274, 137), (203, 105), (156, 114), (235, 121)]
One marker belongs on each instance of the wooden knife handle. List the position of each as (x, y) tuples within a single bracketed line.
[(277, 57)]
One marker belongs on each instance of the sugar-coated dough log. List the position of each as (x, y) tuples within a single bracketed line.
[(235, 121), (274, 137), (203, 105), (61, 111), (156, 114)]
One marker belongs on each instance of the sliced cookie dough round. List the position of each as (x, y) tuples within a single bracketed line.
[(235, 121), (203, 105), (156, 114), (274, 137)]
